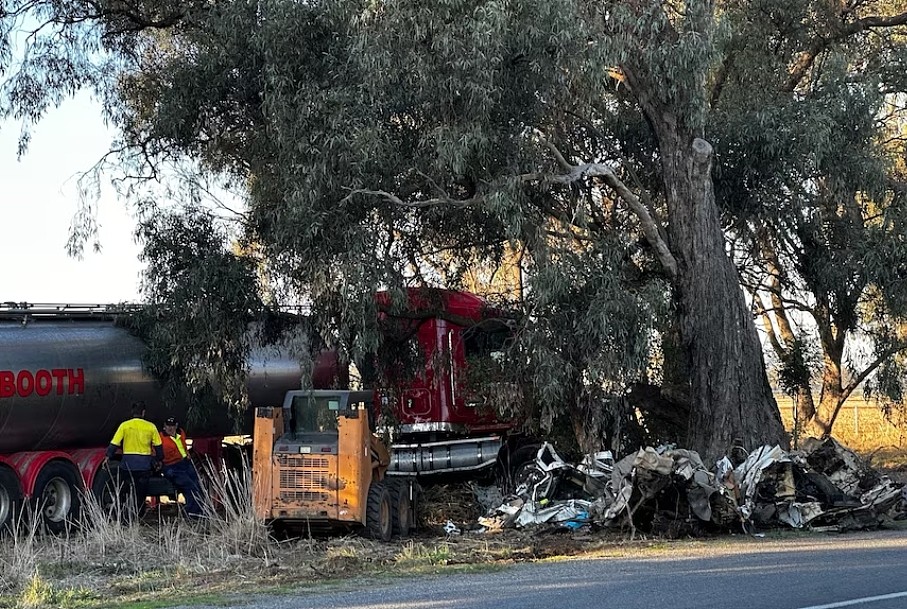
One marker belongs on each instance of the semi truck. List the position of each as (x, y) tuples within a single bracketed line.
[(69, 373), (439, 422)]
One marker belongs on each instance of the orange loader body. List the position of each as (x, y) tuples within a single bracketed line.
[(316, 465)]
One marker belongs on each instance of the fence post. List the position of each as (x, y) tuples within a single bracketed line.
[(856, 420)]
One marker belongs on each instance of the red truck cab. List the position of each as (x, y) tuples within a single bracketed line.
[(441, 422)]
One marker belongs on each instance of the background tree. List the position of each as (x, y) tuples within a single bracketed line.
[(810, 183), (202, 300), (372, 138), (409, 152)]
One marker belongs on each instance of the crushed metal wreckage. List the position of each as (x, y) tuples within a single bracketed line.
[(669, 491)]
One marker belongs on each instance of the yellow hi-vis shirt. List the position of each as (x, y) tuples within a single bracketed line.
[(137, 437)]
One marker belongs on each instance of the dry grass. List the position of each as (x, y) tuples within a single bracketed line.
[(111, 555), (861, 425), (454, 502), (113, 552), (111, 558), (18, 556)]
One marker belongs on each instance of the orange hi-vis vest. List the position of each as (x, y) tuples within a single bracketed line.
[(174, 447)]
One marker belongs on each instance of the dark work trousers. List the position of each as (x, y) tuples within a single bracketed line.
[(183, 476), (135, 483)]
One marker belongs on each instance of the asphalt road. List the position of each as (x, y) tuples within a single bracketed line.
[(822, 572)]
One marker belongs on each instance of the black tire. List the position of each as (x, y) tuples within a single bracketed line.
[(401, 508), (419, 517), (378, 519), (57, 496), (518, 467), (10, 499), (108, 490)]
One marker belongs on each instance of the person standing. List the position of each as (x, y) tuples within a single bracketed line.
[(179, 469), (142, 453)]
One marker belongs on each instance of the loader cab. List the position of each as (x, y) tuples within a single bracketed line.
[(313, 418)]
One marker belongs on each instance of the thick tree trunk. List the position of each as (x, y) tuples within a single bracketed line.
[(665, 412), (731, 397)]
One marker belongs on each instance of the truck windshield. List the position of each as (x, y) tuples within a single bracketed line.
[(314, 415)]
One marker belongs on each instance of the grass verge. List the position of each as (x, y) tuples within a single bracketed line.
[(113, 559)]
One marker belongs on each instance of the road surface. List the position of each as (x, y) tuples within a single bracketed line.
[(858, 571)]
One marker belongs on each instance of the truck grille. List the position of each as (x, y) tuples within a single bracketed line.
[(291, 478)]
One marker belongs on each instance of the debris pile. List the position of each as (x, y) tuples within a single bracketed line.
[(450, 502), (669, 491)]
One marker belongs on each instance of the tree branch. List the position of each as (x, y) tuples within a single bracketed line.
[(606, 174), (808, 57), (392, 198), (853, 384), (721, 78), (555, 152), (762, 313)]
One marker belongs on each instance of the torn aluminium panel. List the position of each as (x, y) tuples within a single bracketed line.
[(769, 486)]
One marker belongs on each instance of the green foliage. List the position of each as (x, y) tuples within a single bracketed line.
[(587, 337), (807, 176), (797, 366), (327, 109), (50, 50), (888, 386), (383, 145), (202, 299)]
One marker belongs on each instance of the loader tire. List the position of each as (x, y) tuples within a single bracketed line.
[(401, 508), (378, 519)]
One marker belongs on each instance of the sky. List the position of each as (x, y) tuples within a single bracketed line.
[(38, 197)]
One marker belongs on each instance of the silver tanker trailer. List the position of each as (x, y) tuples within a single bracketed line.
[(68, 375)]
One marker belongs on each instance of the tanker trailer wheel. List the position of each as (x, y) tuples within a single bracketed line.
[(109, 492), (401, 507), (56, 496), (378, 519), (10, 499)]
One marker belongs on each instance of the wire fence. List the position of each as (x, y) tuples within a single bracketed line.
[(861, 425)]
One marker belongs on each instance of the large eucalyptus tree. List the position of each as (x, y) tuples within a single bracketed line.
[(377, 142), (811, 181)]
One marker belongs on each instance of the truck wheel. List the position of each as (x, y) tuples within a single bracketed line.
[(519, 467), (108, 491), (378, 519), (401, 509), (56, 497), (10, 499)]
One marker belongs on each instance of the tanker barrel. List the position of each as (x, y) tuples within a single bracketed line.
[(67, 384)]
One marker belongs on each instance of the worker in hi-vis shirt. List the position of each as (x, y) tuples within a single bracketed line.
[(179, 469), (142, 453)]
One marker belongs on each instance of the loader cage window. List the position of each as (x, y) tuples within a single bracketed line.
[(314, 415)]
